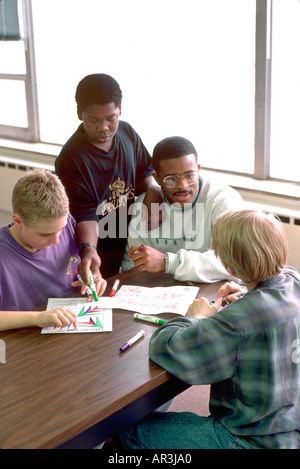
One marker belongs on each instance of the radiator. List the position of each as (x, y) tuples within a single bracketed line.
[(11, 169)]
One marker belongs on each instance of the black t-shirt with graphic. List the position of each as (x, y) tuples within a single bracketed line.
[(101, 186)]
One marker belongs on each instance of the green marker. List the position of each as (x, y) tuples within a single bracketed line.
[(93, 288), (143, 317)]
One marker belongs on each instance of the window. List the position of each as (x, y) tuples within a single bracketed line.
[(18, 111), (285, 103), (9, 21), (198, 69), (184, 69)]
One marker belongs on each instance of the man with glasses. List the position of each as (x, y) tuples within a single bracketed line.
[(192, 203)]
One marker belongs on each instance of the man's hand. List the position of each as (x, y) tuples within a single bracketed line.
[(147, 258)]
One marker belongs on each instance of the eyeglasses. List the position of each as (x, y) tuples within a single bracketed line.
[(173, 180)]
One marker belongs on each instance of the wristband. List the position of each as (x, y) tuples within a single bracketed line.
[(85, 245)]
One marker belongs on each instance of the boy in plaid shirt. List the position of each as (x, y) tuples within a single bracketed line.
[(246, 350)]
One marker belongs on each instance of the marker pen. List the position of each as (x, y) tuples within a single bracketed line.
[(114, 288), (88, 290), (238, 294), (92, 285), (143, 317), (132, 341)]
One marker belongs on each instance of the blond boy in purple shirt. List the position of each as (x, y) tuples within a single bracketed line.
[(38, 254)]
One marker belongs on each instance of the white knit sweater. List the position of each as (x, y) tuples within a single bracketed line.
[(186, 234)]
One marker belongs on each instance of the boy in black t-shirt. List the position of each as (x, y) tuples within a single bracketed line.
[(103, 166)]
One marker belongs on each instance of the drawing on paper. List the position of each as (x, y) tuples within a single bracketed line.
[(91, 317)]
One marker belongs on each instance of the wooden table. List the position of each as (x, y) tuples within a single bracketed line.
[(62, 390)]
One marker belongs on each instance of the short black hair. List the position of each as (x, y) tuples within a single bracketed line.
[(172, 147), (97, 88)]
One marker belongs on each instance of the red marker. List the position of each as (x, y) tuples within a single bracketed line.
[(114, 288)]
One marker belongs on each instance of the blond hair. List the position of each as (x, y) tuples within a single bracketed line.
[(39, 194), (252, 243)]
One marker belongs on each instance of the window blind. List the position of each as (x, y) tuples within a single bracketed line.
[(9, 21)]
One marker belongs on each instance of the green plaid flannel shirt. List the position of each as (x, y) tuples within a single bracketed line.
[(248, 353)]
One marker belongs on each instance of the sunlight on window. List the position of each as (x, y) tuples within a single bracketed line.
[(184, 69), (13, 110), (285, 107), (12, 57)]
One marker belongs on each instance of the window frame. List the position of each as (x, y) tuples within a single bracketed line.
[(263, 72)]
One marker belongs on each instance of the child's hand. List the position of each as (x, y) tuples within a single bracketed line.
[(203, 309), (228, 290), (60, 317), (84, 289), (100, 285)]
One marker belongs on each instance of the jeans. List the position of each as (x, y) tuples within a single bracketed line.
[(180, 430)]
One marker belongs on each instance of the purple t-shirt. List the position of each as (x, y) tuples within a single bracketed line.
[(28, 279)]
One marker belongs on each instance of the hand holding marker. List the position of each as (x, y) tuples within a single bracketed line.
[(225, 302), (88, 291), (91, 290)]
